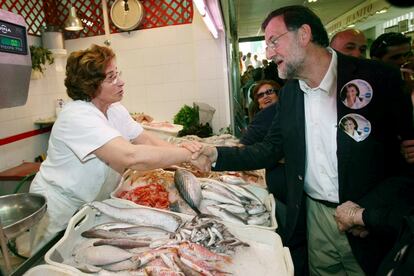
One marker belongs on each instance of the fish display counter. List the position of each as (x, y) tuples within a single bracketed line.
[(181, 191), (92, 245)]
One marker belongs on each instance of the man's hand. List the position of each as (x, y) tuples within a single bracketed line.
[(407, 149), (347, 215), (209, 151), (202, 163), (194, 147), (359, 231)]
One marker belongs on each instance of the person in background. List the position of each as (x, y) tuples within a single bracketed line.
[(350, 96), (265, 63), (270, 73), (241, 62), (253, 106), (248, 61), (265, 94), (350, 42), (324, 168), (92, 142), (257, 63), (395, 49), (392, 48)]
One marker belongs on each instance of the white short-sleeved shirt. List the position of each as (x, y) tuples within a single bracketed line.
[(72, 175)]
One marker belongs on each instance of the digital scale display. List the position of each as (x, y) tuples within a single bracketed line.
[(12, 38)]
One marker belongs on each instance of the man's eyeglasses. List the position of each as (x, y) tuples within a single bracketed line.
[(114, 78), (274, 42), (268, 92)]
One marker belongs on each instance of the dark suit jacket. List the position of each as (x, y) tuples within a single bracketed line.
[(275, 172), (257, 129), (361, 165)]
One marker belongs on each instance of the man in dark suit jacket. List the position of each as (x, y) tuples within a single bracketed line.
[(326, 165)]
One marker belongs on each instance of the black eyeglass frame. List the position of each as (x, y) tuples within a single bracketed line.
[(267, 92)]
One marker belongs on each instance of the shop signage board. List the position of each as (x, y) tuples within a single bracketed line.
[(358, 13)]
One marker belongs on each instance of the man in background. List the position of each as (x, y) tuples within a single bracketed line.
[(257, 63), (248, 60), (392, 48), (350, 42), (395, 49)]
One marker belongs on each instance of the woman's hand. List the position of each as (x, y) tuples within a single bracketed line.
[(142, 118), (192, 146)]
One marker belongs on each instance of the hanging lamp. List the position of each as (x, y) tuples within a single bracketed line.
[(73, 23)]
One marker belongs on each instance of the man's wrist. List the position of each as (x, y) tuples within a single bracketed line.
[(357, 218), (214, 156)]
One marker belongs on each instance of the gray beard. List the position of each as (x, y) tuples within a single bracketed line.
[(290, 73)]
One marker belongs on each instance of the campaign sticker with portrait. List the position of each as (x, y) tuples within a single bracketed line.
[(356, 94), (355, 126)]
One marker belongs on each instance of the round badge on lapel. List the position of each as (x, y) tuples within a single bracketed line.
[(356, 94), (355, 126)]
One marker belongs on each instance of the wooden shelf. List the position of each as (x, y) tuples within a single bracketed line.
[(21, 171)]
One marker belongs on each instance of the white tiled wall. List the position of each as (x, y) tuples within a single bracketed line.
[(164, 68)]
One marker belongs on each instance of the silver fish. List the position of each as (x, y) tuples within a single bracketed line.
[(241, 191), (213, 195), (215, 185), (189, 188), (102, 255), (231, 179), (113, 225), (206, 202), (233, 208), (142, 231), (139, 216), (262, 219), (225, 215), (254, 209), (122, 265)]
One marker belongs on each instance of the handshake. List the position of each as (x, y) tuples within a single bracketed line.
[(202, 156)]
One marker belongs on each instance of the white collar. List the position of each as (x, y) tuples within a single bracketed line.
[(328, 80)]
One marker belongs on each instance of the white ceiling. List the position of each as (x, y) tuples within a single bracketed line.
[(251, 13)]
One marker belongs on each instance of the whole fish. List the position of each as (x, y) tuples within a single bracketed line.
[(123, 243), (207, 202), (143, 231), (113, 224), (213, 185), (231, 179), (139, 216), (103, 234), (184, 268), (241, 191), (213, 195), (122, 265), (189, 188), (254, 209), (225, 215), (102, 255), (262, 219), (233, 208)]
